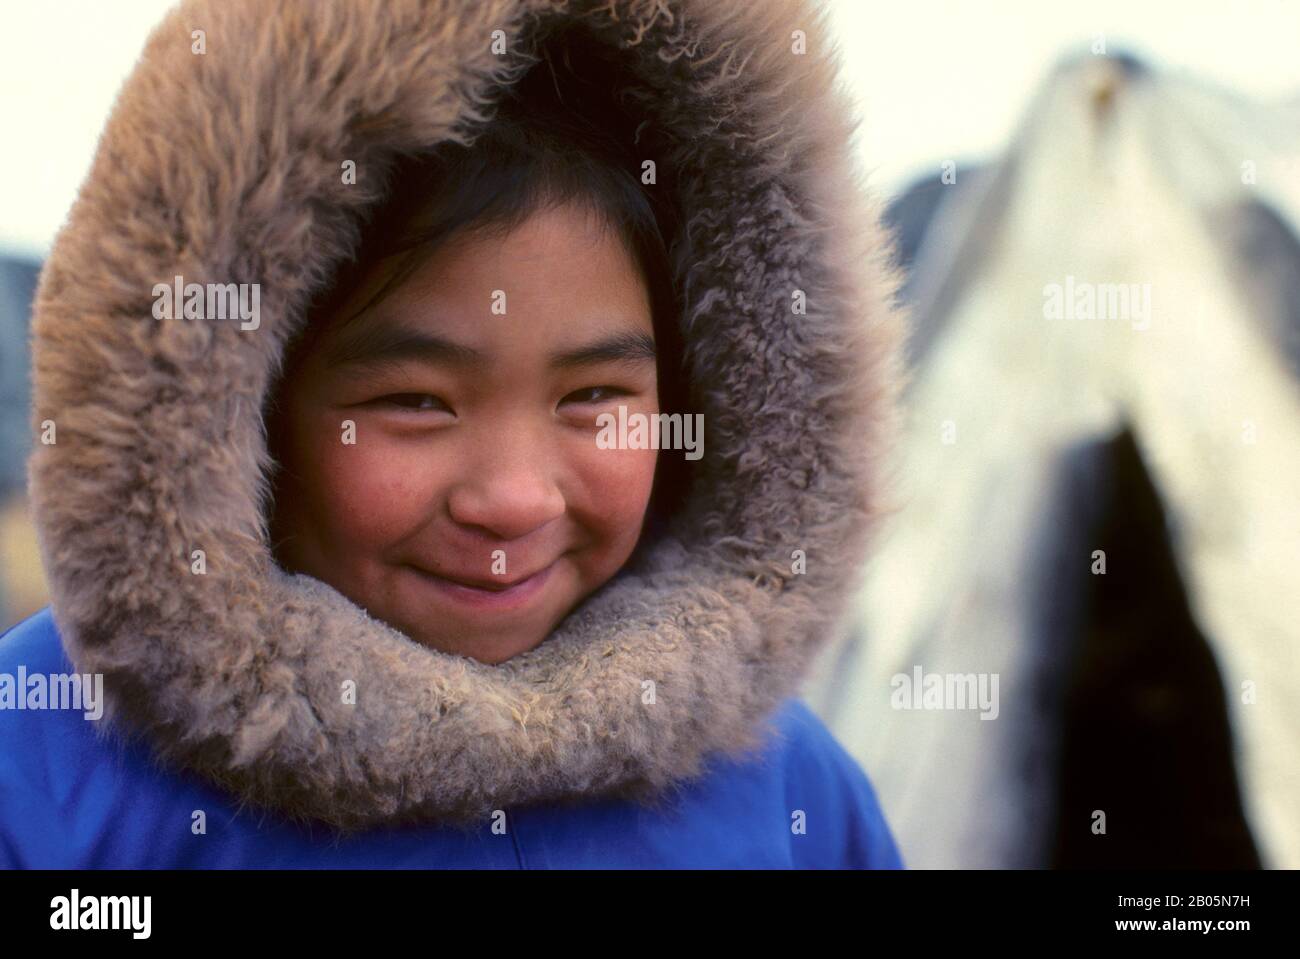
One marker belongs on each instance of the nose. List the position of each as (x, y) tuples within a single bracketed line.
[(509, 490)]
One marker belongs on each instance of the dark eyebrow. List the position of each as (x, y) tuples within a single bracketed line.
[(381, 343), (621, 347), (384, 342)]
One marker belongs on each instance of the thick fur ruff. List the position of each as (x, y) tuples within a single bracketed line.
[(225, 167)]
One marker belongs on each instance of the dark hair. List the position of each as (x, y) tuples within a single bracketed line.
[(555, 138)]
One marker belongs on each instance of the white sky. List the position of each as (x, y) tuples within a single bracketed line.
[(943, 79)]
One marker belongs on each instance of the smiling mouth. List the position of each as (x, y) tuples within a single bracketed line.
[(485, 585), (492, 592)]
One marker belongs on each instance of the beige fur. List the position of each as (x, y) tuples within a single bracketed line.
[(225, 167)]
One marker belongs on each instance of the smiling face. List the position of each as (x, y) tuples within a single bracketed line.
[(474, 510)]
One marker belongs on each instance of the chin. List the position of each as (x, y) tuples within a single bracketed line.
[(491, 650)]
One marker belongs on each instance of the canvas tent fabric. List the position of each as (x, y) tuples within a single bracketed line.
[(1117, 175)]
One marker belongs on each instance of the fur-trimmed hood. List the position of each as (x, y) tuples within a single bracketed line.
[(222, 166)]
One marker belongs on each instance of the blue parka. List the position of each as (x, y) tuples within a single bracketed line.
[(254, 716), (71, 799)]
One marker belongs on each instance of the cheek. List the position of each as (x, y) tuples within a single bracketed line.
[(364, 497), (616, 488)]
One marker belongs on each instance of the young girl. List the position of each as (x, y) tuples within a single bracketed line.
[(368, 576)]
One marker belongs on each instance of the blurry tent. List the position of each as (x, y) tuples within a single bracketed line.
[(22, 588), (1171, 442), (17, 288)]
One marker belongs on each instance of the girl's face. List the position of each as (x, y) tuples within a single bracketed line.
[(440, 464)]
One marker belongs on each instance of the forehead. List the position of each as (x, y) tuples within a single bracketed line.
[(557, 280), (564, 251)]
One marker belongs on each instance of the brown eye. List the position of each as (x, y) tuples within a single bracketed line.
[(416, 402), (594, 394)]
